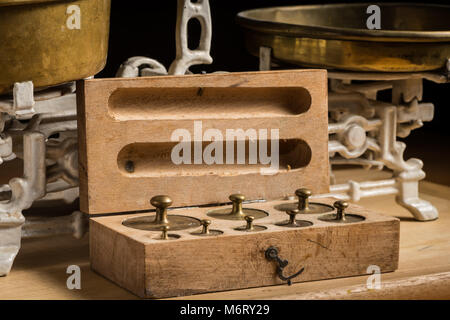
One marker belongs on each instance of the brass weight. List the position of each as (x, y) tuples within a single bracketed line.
[(304, 206), (206, 224), (165, 234), (161, 218), (206, 231), (237, 212), (341, 216), (250, 227), (293, 222), (161, 203)]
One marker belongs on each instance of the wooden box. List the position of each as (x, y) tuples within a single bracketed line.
[(126, 130), (138, 261)]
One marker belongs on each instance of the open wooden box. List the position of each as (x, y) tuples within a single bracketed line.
[(126, 130)]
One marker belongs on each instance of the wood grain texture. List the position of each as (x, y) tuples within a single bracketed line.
[(236, 260), (39, 271), (430, 286), (133, 119), (126, 253)]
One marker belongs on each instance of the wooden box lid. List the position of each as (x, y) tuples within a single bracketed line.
[(128, 129)]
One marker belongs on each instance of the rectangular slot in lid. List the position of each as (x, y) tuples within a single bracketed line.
[(207, 102), (162, 159)]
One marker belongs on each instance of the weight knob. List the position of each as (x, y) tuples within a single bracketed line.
[(340, 207), (161, 203), (303, 195)]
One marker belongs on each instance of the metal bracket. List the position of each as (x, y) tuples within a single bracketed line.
[(22, 105), (24, 191), (140, 66), (186, 57)]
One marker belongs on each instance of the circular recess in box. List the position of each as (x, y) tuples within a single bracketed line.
[(211, 233), (255, 228), (170, 236), (314, 208), (176, 222), (349, 218), (298, 224), (226, 214)]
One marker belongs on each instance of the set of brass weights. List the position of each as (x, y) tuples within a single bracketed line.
[(163, 222)]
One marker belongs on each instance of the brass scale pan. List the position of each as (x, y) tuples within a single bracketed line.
[(412, 38), (41, 40)]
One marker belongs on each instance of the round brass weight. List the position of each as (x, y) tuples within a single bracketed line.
[(237, 212), (293, 222), (161, 218), (341, 216), (303, 205), (165, 234), (250, 227), (206, 232)]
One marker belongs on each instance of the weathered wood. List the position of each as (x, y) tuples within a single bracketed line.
[(235, 260), (130, 122), (40, 269)]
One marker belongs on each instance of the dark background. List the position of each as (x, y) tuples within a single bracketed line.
[(147, 28)]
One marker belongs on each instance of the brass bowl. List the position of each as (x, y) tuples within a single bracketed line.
[(37, 43), (412, 38)]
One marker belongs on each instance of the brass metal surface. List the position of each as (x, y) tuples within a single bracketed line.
[(412, 38), (36, 43), (161, 219), (293, 222), (341, 216), (205, 224), (206, 231), (303, 205), (165, 235), (21, 2), (161, 203), (175, 222), (237, 212), (250, 227)]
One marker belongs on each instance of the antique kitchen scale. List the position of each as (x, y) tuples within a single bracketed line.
[(45, 45), (163, 230), (264, 236), (412, 45)]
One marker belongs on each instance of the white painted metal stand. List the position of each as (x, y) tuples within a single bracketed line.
[(29, 122), (47, 141), (364, 131)]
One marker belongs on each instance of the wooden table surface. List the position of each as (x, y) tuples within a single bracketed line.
[(424, 270)]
